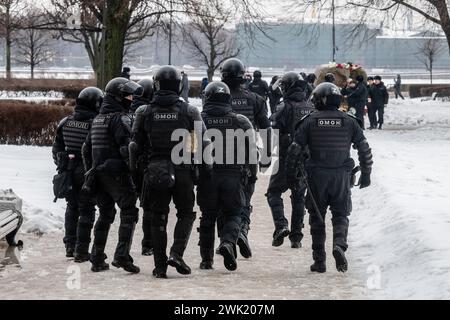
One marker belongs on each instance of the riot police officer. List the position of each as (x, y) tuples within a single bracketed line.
[(70, 136), (138, 174), (221, 196), (106, 151), (329, 134), (293, 108), (165, 180), (254, 108)]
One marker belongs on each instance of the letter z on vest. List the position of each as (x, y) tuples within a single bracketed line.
[(165, 116), (329, 123)]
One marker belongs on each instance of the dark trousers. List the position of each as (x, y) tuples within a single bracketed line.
[(221, 200), (249, 189), (79, 216), (398, 93), (141, 185), (159, 200), (115, 189), (373, 110), (331, 188), (278, 186), (359, 108)]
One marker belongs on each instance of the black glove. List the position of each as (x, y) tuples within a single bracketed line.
[(364, 180)]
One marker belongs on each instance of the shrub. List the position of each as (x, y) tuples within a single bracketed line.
[(31, 123)]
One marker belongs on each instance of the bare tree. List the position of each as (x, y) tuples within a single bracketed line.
[(427, 53), (33, 46), (433, 12), (9, 23), (107, 27), (207, 37)]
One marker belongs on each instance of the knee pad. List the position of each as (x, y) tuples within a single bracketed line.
[(158, 219)]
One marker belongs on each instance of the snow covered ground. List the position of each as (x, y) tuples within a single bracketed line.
[(399, 232)]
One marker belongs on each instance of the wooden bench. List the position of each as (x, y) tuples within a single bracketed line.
[(10, 216)]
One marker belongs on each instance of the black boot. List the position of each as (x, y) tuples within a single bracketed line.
[(160, 273), (122, 258), (206, 265), (229, 260), (341, 260), (70, 251), (82, 257), (147, 251), (296, 244), (242, 242), (319, 264), (179, 265), (206, 243), (128, 266), (99, 266), (279, 235), (380, 126)]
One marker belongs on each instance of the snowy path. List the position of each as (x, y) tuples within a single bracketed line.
[(273, 273), (399, 232)]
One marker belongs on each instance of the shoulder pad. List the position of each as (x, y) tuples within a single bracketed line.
[(143, 109), (127, 119), (62, 122), (360, 123), (244, 121), (302, 120)]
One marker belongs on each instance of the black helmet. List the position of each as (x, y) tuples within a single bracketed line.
[(121, 88), (326, 95), (257, 74), (329, 77), (147, 86), (232, 68), (91, 97), (217, 92), (292, 80), (167, 78)]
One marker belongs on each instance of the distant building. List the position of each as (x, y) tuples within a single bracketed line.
[(309, 45)]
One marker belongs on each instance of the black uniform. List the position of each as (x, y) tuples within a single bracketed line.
[(221, 197), (379, 98), (80, 212), (153, 127), (293, 108), (254, 108), (107, 146), (138, 179), (329, 134), (274, 98), (259, 87), (356, 98)]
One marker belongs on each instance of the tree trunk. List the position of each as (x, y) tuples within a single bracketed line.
[(444, 17), (210, 73), (116, 28), (8, 43), (8, 55), (431, 72), (32, 71)]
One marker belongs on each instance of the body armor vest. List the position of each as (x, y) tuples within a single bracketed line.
[(243, 104), (75, 133), (230, 146), (161, 123), (103, 145), (330, 138)]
